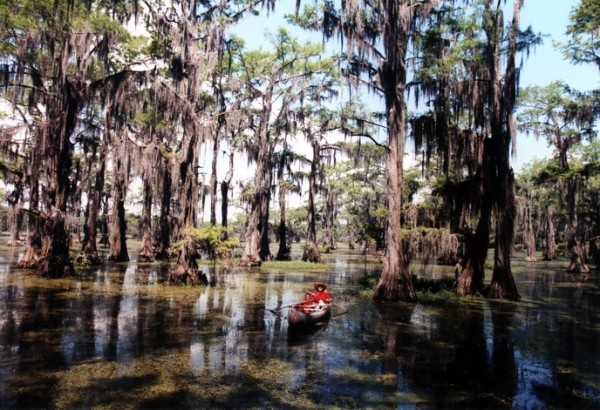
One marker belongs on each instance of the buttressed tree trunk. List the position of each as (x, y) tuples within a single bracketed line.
[(393, 77), (186, 270), (62, 116), (503, 96), (251, 255), (548, 238), (573, 238), (471, 269), (395, 263)]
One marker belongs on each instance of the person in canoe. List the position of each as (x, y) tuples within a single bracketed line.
[(308, 304), (321, 297)]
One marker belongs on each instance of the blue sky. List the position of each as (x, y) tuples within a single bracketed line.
[(544, 64)]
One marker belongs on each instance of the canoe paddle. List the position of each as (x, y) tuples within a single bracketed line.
[(341, 307), (279, 308)]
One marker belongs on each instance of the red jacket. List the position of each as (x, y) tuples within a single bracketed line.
[(324, 296)]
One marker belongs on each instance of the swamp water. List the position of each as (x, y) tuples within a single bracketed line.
[(118, 338)]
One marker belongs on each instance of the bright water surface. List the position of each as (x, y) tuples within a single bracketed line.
[(118, 338)]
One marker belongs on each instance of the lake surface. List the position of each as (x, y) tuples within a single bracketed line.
[(118, 337)]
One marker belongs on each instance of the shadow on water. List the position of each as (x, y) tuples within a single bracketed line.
[(117, 337)]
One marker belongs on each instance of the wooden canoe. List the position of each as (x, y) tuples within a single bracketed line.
[(296, 318)]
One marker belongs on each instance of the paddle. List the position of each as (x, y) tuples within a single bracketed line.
[(341, 307), (276, 310)]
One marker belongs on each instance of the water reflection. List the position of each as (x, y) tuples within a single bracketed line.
[(118, 337)]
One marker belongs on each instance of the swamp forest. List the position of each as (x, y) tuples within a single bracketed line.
[(167, 193)]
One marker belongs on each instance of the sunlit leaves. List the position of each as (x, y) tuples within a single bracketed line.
[(210, 239), (584, 43)]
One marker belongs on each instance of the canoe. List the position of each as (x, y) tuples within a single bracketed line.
[(296, 318)]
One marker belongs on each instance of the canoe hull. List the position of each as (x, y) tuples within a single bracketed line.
[(298, 319)]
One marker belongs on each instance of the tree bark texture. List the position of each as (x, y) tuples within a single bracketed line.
[(470, 271), (186, 267), (118, 222), (89, 249), (500, 174), (311, 249), (165, 219), (33, 248), (185, 271), (283, 253), (15, 216), (225, 194), (146, 253), (548, 237), (256, 232), (395, 283), (529, 235), (573, 235), (62, 118), (213, 181)]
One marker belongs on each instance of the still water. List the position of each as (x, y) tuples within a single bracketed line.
[(118, 338)]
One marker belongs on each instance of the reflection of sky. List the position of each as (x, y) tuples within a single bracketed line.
[(227, 331), (531, 372), (127, 320), (72, 333), (10, 324), (102, 319), (226, 350)]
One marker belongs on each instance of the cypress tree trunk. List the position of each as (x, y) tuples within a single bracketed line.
[(548, 238), (163, 251), (328, 237), (254, 237), (15, 216), (146, 253), (34, 237), (573, 237), (529, 236), (89, 250), (225, 194), (283, 254), (118, 223), (395, 263), (503, 283), (311, 249), (185, 270), (470, 271), (500, 174), (62, 115), (213, 181), (265, 251)]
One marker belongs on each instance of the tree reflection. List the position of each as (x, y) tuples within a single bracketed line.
[(455, 356)]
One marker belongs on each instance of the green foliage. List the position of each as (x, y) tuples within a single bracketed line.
[(210, 239), (582, 46), (585, 18)]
